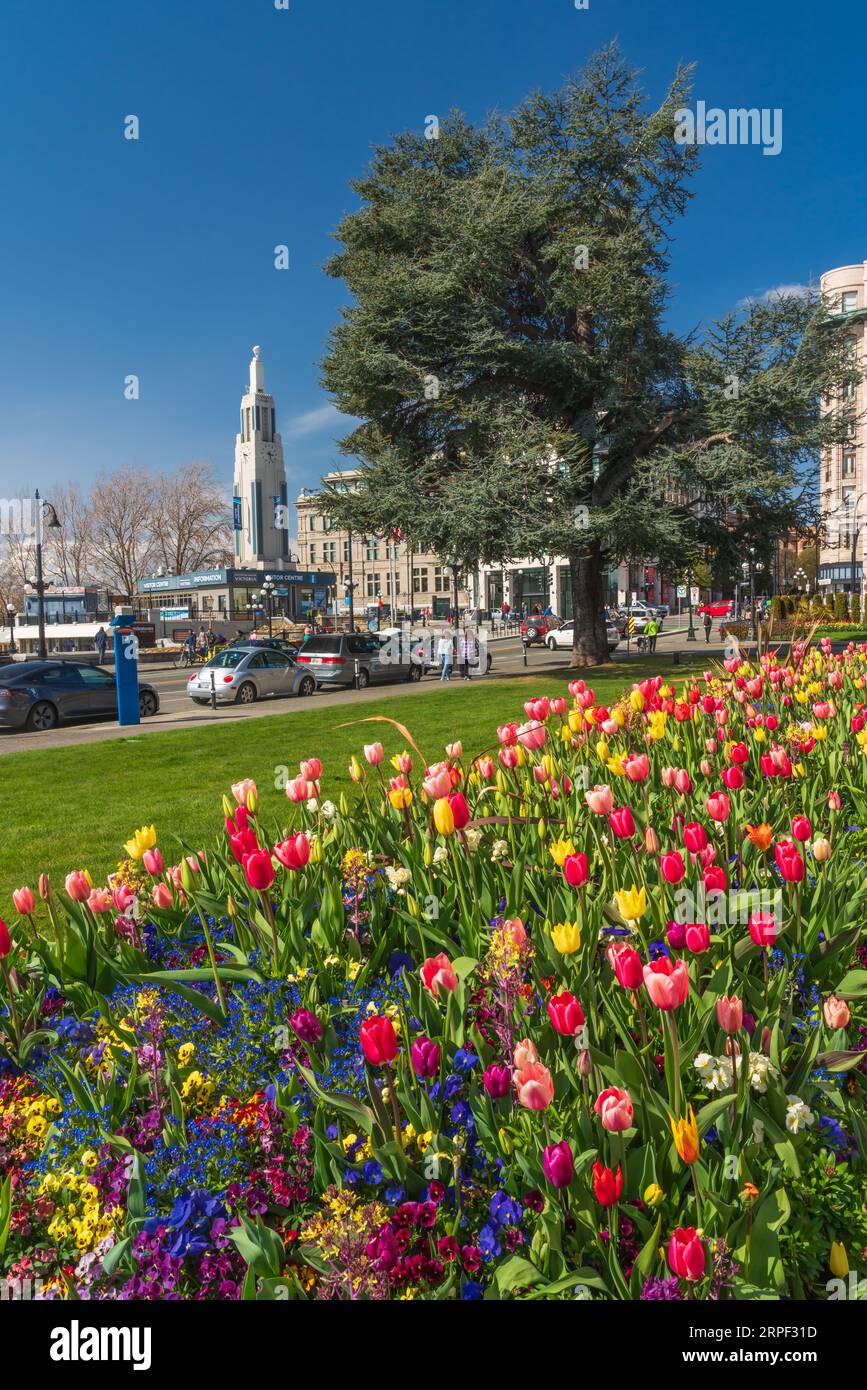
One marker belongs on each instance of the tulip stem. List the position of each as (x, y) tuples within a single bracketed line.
[(211, 956), (672, 1024), (392, 1090)]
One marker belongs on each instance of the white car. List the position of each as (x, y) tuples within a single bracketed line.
[(562, 636)]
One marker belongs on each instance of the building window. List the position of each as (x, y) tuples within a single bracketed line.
[(396, 584), (313, 554), (848, 465), (419, 580), (374, 584), (441, 580), (312, 522), (850, 301), (329, 552), (346, 552), (373, 550)]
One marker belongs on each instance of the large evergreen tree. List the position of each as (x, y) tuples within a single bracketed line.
[(506, 350)]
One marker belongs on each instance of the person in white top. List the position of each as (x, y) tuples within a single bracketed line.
[(444, 656)]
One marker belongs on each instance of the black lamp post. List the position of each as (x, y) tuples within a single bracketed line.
[(44, 510), (268, 594), (10, 610)]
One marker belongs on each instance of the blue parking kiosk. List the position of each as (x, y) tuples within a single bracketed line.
[(126, 668)]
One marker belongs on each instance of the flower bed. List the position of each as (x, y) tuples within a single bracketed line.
[(578, 1015)]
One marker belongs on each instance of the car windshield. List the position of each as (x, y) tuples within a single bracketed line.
[(231, 657)]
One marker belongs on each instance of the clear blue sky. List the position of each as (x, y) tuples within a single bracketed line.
[(156, 257)]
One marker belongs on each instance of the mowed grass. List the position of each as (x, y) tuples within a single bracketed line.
[(69, 808)]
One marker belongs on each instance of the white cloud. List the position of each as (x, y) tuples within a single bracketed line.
[(316, 421), (777, 292)]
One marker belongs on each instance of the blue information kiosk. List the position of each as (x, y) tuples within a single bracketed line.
[(126, 667)]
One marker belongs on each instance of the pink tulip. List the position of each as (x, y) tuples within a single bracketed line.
[(532, 735), (729, 1013), (575, 870), (614, 1108), (686, 1256), (697, 937), (836, 1012), (437, 971), (153, 862), (718, 806), (666, 983), (622, 823), (637, 768), (600, 800), (535, 1087), (298, 789), (525, 1052), (162, 895), (99, 900), (241, 790), (455, 750), (626, 964), (311, 769), (77, 886), (294, 852), (374, 754), (801, 828), (682, 781), (672, 867), (651, 841), (24, 901)]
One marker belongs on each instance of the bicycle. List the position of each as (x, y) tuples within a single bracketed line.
[(184, 658)]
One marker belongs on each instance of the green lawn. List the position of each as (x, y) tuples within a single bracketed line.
[(67, 808)]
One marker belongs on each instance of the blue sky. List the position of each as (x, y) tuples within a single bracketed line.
[(155, 257)]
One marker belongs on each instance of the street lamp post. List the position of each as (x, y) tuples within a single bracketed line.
[(46, 510), (268, 594), (855, 533), (10, 611), (690, 636)]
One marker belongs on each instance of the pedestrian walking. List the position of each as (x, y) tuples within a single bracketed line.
[(444, 656), (708, 624), (469, 653), (651, 632), (101, 639)]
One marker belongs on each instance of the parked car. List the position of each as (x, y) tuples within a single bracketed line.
[(536, 626), (562, 636), (331, 658), (722, 609), (40, 694), (249, 672), (642, 613)]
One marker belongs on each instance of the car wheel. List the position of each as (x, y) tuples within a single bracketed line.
[(414, 672), (42, 716), (363, 679), (551, 644), (147, 704), (246, 695), (306, 685)]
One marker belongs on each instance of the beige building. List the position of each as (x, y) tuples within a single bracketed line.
[(843, 480), (390, 577)]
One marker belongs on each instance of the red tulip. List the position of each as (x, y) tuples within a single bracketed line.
[(566, 1013), (425, 1057), (5, 940), (694, 837), (672, 867), (686, 1254), (789, 861), (763, 928), (293, 853), (378, 1040), (436, 971), (626, 964), (714, 879), (733, 778), (801, 828), (697, 937), (575, 870), (243, 843), (607, 1185), (666, 983), (622, 823), (459, 809), (258, 869)]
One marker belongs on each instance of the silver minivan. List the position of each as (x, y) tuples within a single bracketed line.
[(332, 659)]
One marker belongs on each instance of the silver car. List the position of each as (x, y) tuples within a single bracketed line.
[(241, 675)]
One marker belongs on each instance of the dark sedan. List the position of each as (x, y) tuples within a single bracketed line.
[(39, 694)]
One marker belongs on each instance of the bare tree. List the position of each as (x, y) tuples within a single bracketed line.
[(70, 546), (191, 519), (122, 542)]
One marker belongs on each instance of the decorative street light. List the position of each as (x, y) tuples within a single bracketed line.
[(10, 611), (268, 594), (44, 510)]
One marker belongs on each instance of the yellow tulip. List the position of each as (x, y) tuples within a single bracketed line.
[(143, 839), (400, 798), (443, 816), (566, 937), (631, 902), (636, 700), (654, 1195), (602, 749), (686, 1140), (560, 850), (839, 1260)]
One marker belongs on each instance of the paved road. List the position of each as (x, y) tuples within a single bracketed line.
[(178, 712)]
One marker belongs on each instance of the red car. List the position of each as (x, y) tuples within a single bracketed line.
[(717, 610), (536, 626)]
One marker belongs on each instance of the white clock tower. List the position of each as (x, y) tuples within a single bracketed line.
[(260, 499)]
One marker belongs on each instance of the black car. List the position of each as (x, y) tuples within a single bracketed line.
[(40, 694)]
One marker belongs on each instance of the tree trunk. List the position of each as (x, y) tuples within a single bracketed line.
[(589, 640)]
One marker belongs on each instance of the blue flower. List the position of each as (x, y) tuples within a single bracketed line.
[(371, 1172), (471, 1290)]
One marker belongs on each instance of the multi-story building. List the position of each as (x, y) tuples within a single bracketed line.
[(390, 576), (842, 478)]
